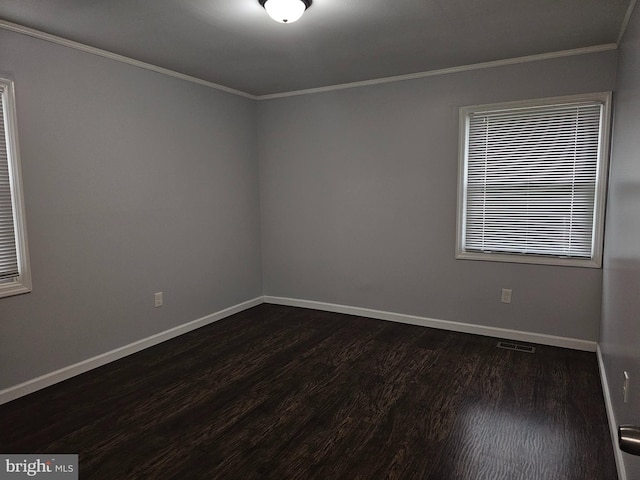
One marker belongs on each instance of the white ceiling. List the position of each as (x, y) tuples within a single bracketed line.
[(235, 44)]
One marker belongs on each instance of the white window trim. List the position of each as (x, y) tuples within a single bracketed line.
[(600, 193), (22, 283)]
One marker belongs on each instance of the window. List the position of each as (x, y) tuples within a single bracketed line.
[(532, 180), (15, 276)]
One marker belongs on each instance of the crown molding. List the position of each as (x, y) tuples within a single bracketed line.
[(625, 22), (447, 71), (14, 27)]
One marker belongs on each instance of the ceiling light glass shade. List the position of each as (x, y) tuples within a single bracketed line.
[(285, 11)]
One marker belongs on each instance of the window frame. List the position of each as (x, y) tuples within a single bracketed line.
[(21, 283), (595, 261)]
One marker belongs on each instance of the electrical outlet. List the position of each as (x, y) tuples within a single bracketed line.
[(625, 388), (158, 299), (506, 295)]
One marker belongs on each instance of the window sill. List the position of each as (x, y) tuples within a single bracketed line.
[(530, 259), (15, 287)]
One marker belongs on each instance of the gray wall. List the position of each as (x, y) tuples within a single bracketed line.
[(358, 196), (135, 183), (620, 333)]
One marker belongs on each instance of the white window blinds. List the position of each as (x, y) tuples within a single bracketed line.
[(531, 180), (8, 252)]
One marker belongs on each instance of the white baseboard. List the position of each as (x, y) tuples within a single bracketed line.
[(48, 379), (613, 425), (543, 339), (51, 378)]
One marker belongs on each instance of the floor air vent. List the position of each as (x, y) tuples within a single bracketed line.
[(516, 347)]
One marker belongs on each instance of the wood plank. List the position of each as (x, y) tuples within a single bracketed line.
[(283, 392)]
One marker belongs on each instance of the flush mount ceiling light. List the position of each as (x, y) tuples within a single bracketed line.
[(285, 11)]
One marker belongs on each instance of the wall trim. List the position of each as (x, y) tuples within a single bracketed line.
[(625, 22), (14, 27), (540, 338), (613, 425), (70, 371), (46, 380), (447, 71)]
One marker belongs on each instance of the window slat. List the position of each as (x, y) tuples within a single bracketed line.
[(531, 179), (8, 253), (15, 274)]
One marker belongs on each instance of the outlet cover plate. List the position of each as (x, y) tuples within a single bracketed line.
[(506, 295)]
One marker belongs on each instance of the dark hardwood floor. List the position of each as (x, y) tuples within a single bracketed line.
[(287, 393)]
